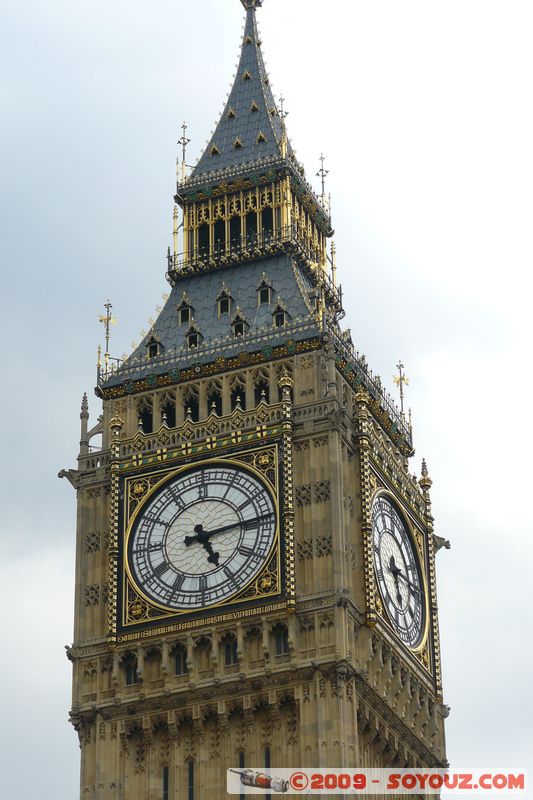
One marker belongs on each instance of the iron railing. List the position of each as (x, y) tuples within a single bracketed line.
[(248, 248)]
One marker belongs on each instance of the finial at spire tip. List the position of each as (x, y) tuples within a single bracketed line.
[(252, 3)]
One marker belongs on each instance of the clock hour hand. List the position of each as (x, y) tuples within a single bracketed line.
[(202, 537), (396, 572)]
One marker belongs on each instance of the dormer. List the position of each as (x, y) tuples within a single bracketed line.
[(280, 315), (239, 324), (193, 337), (224, 301), (185, 311), (264, 291), (154, 348)]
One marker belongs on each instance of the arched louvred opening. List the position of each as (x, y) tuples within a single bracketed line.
[(220, 237), (145, 416), (214, 403), (191, 407), (235, 232), (168, 414), (261, 392), (267, 222), (238, 398), (203, 240), (251, 228)]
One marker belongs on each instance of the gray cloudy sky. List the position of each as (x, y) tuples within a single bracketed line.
[(424, 111)]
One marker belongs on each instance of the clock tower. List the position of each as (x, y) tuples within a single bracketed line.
[(255, 568)]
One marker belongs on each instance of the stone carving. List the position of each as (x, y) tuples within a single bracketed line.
[(323, 546), (303, 495), (92, 542), (321, 491), (92, 595), (304, 549)]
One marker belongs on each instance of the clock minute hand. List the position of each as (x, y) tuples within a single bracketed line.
[(245, 524), (408, 582)]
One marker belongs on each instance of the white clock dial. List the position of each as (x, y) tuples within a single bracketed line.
[(202, 537), (398, 572)]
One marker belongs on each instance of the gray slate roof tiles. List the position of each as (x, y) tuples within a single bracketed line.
[(202, 290), (247, 124)]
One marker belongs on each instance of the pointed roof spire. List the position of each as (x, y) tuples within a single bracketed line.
[(250, 128)]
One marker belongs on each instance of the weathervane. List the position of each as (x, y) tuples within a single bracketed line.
[(107, 320), (322, 174), (184, 141), (401, 380)]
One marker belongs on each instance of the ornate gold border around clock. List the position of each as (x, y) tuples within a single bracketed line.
[(242, 595), (236, 439), (420, 551), (370, 478)]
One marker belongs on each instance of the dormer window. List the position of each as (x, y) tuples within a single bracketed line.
[(185, 311), (224, 301), (215, 150), (254, 107), (237, 144), (247, 75), (193, 337), (223, 306), (239, 325), (153, 347), (264, 292), (280, 316)]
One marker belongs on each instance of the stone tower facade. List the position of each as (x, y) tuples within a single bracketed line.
[(255, 569)]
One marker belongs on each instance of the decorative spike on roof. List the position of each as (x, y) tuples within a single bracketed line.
[(250, 127)]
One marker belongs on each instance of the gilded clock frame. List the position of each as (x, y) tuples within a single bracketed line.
[(166, 477), (422, 564), (155, 619)]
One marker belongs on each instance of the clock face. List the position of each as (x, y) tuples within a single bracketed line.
[(202, 538), (398, 572)]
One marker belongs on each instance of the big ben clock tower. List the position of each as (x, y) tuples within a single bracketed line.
[(255, 569)]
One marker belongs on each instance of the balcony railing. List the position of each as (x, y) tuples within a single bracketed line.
[(248, 248)]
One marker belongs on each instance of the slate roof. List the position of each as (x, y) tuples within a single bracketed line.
[(289, 286), (249, 112)]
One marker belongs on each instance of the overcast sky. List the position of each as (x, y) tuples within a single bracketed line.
[(424, 112)]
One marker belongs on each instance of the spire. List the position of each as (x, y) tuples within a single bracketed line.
[(250, 129)]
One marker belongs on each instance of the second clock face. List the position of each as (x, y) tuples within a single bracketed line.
[(203, 537), (398, 572)]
